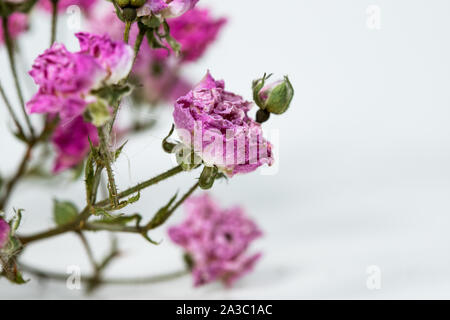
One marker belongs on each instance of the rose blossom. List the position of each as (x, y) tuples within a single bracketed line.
[(65, 79), (71, 141), (217, 241), (4, 232), (115, 57), (17, 24), (215, 123), (195, 31), (166, 8)]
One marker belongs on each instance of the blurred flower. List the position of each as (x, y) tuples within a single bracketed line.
[(114, 56), (215, 123), (4, 232), (17, 24), (216, 240), (65, 79), (64, 4), (166, 8), (71, 141), (195, 31)]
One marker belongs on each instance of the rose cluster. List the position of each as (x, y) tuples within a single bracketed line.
[(216, 241), (67, 81)]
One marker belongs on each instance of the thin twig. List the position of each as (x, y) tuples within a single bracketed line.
[(80, 222), (12, 63), (54, 21), (11, 111), (112, 281)]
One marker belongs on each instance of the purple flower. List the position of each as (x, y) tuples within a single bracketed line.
[(116, 57), (66, 79), (17, 24), (166, 8), (71, 141), (64, 4), (4, 232), (217, 240), (195, 31), (214, 122)]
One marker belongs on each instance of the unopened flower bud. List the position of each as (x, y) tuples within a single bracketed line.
[(207, 177), (273, 97), (137, 3), (129, 14), (123, 3)]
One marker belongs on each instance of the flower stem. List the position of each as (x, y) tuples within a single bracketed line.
[(11, 112), (153, 224), (80, 222), (107, 159), (12, 63), (113, 281), (126, 33), (145, 184), (54, 21)]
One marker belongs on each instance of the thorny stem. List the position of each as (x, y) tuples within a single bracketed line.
[(80, 222), (54, 21), (107, 159), (11, 111), (153, 224), (12, 63), (112, 281)]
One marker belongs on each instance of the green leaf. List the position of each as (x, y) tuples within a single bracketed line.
[(162, 214), (64, 212), (119, 150)]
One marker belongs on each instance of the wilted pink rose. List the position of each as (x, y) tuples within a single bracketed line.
[(71, 142), (217, 240), (66, 79), (114, 56), (17, 24), (166, 8), (195, 31), (4, 232), (214, 122)]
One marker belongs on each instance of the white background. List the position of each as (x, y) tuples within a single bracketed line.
[(363, 158)]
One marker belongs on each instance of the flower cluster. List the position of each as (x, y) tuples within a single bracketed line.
[(195, 31), (17, 24), (157, 70), (4, 232), (215, 123), (66, 79), (216, 241)]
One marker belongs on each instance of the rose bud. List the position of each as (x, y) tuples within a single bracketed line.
[(272, 97)]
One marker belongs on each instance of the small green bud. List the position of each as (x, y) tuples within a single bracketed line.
[(123, 3), (98, 113), (207, 177), (274, 97), (137, 3), (129, 14)]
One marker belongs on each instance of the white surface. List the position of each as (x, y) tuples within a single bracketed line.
[(364, 159)]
